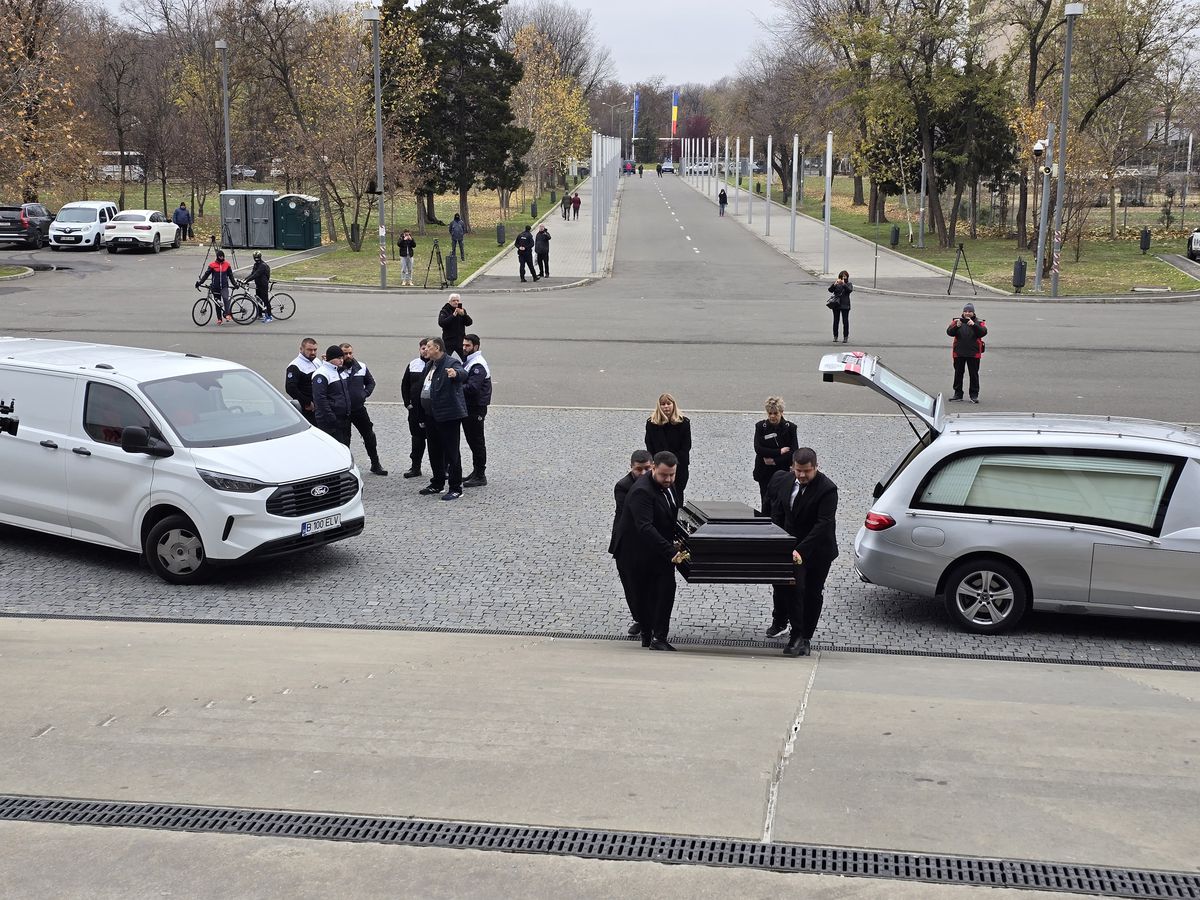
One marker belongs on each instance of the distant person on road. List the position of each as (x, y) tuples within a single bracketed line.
[(669, 429), (524, 244), (182, 217), (575, 204), (803, 502), (566, 205), (639, 170), (640, 462), (968, 332), (331, 396), (478, 394), (839, 302), (444, 409), (298, 378), (260, 274), (658, 169), (774, 440), (407, 248), (362, 386), (722, 202), (410, 393), (541, 247), (458, 231), (454, 322), (223, 282)]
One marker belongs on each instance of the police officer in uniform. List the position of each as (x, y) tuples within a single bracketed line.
[(331, 396), (298, 378), (362, 386), (478, 394), (410, 393)]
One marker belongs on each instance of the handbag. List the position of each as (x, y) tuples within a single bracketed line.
[(832, 303)]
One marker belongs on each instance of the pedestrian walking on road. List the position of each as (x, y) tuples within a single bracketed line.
[(658, 169), (839, 302), (803, 502), (458, 232), (331, 396), (774, 440), (968, 331), (407, 248), (410, 393), (669, 429), (575, 204), (362, 386), (646, 548), (444, 409), (478, 394), (541, 247), (454, 322), (298, 378), (524, 244), (639, 170), (566, 206), (640, 462), (722, 202), (182, 217)]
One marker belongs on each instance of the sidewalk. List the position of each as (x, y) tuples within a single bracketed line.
[(570, 249), (897, 272)]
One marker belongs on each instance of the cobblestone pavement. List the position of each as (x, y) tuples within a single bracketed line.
[(528, 553)]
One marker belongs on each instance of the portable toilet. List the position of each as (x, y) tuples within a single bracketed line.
[(297, 222), (260, 218), (233, 218)]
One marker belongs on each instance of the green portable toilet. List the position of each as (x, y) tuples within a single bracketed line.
[(297, 222)]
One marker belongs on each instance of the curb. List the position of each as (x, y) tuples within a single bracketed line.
[(25, 274)]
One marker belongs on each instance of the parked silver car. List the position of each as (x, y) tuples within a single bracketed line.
[(997, 513)]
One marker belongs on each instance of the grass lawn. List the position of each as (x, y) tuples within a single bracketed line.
[(11, 270), (1104, 267)]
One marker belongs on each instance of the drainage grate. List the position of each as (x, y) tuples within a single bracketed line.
[(610, 845)]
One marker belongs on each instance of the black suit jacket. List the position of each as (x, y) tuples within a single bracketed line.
[(620, 490), (646, 530), (811, 519)]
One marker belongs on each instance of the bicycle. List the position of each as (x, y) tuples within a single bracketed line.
[(241, 307), (280, 305)]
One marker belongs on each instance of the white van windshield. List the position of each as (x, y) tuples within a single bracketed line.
[(220, 409), (76, 214)]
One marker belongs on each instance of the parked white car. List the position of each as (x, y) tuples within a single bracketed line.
[(81, 224), (193, 462), (146, 229), (698, 168), (1193, 245), (243, 172)]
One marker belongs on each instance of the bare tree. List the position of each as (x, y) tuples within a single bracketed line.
[(570, 31)]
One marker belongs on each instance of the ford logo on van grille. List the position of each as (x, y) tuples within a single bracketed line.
[(320, 490)]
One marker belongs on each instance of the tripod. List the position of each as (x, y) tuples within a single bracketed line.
[(961, 255), (436, 253)]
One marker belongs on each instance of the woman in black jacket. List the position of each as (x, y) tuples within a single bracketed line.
[(774, 443), (839, 302), (669, 429)]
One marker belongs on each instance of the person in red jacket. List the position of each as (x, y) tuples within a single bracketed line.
[(223, 284), (968, 332)]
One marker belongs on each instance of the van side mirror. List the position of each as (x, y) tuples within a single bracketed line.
[(135, 439)]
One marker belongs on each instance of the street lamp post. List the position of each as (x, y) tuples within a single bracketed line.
[(223, 46), (1073, 11), (371, 14)]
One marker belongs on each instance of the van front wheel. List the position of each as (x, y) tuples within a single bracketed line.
[(985, 595), (175, 552)]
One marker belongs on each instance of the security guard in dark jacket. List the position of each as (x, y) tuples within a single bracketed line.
[(478, 394), (410, 393), (331, 396), (362, 385), (444, 409)]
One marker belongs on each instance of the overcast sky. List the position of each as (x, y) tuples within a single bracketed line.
[(682, 40)]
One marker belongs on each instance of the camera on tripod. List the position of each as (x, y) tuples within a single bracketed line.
[(8, 422)]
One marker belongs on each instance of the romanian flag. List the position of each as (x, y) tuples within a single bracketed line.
[(674, 111)]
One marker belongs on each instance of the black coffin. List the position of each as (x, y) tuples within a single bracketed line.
[(728, 544)]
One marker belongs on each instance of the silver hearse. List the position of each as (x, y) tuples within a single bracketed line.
[(1000, 512)]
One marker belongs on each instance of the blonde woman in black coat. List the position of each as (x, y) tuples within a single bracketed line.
[(669, 429), (774, 442)]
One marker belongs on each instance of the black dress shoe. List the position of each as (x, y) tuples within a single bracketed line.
[(377, 469), (647, 638), (796, 647), (413, 473), (776, 629), (635, 629), (660, 645), (476, 481)]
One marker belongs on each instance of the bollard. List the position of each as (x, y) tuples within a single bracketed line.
[(452, 268), (1019, 273), (1145, 242), (533, 209), (894, 237), (757, 187), (500, 234)]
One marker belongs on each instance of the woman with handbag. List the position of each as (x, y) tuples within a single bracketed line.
[(839, 302)]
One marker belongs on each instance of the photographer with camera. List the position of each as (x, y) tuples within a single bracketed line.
[(968, 332), (454, 322), (839, 302)]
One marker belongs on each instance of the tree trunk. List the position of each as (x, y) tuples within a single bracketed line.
[(420, 198), (463, 208), (859, 200), (145, 190), (873, 206), (121, 162), (430, 212), (162, 178), (1023, 213), (330, 224), (934, 202), (975, 209), (1112, 208)]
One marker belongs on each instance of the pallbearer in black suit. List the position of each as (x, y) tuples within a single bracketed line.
[(669, 429), (803, 502), (639, 464), (774, 441), (646, 550)]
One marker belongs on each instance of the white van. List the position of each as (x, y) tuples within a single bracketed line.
[(81, 224), (193, 462)]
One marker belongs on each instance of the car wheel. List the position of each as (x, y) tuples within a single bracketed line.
[(985, 595), (174, 551), (156, 245), (55, 247), (36, 241), (112, 248), (178, 238), (96, 243)]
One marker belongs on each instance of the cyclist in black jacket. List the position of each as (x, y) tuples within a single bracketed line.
[(260, 274)]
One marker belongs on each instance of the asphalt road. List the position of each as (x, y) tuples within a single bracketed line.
[(696, 305)]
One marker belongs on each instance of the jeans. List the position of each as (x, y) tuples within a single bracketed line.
[(457, 242), (844, 314), (406, 268), (225, 303)]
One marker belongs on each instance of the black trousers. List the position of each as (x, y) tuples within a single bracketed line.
[(630, 589), (681, 480), (526, 259), (543, 264), (309, 415), (844, 315), (971, 364), (417, 432), (361, 419), (445, 459), (654, 597), (339, 431), (472, 427), (801, 604)]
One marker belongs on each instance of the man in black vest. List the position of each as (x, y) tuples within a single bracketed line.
[(646, 550), (803, 502), (639, 464)]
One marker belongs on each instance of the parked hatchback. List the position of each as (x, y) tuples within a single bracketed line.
[(27, 224), (81, 224), (997, 513)]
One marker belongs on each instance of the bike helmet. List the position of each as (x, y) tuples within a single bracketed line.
[(257, 255)]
